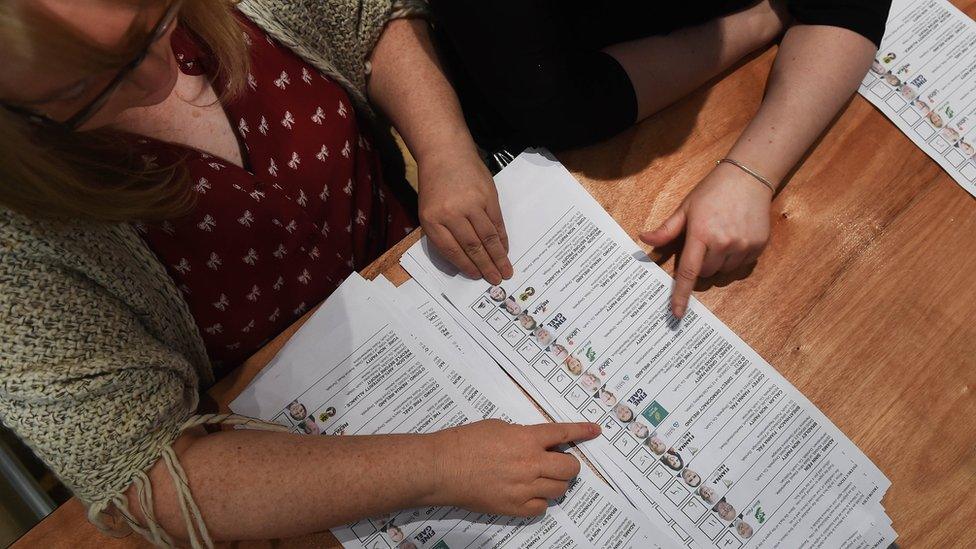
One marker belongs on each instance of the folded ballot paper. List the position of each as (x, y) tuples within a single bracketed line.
[(704, 444)]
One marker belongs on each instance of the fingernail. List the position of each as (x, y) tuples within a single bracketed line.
[(595, 429)]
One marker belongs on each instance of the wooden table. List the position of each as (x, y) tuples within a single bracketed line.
[(865, 298)]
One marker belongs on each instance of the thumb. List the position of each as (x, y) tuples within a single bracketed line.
[(668, 231)]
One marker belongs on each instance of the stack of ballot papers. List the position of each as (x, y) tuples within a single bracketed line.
[(703, 443), (924, 80)]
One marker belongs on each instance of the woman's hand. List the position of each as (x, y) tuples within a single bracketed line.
[(726, 221), (459, 212), (494, 467), (458, 203)]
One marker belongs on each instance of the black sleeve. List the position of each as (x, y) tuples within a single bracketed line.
[(533, 77), (865, 17)]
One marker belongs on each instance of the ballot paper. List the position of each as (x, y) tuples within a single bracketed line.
[(924, 80), (698, 430), (606, 518), (879, 525), (410, 296), (359, 366)]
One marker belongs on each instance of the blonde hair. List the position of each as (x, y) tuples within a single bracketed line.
[(46, 172)]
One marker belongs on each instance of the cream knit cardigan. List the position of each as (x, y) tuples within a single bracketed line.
[(101, 363)]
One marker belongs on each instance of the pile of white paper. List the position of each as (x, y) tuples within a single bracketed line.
[(924, 80), (703, 444)]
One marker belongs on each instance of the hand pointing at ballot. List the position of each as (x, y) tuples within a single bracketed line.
[(498, 468), (725, 219)]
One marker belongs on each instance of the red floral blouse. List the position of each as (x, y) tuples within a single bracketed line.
[(269, 241)]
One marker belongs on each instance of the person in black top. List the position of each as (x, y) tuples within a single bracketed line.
[(566, 73)]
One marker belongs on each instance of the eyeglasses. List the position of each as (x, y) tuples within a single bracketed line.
[(92, 107)]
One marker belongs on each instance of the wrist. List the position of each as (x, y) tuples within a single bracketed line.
[(743, 181), (745, 170), (458, 167), (452, 145), (435, 471), (766, 151)]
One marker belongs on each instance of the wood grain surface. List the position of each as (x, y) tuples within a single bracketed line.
[(865, 298)]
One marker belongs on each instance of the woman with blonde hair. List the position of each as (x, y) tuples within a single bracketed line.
[(179, 182)]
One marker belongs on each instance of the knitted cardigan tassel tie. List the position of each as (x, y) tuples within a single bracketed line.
[(196, 528)]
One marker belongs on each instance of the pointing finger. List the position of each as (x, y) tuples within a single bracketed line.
[(686, 275)]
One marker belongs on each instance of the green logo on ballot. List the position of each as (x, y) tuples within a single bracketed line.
[(655, 413)]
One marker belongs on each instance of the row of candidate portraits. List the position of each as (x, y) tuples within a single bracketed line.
[(541, 334), (937, 118), (594, 384)]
